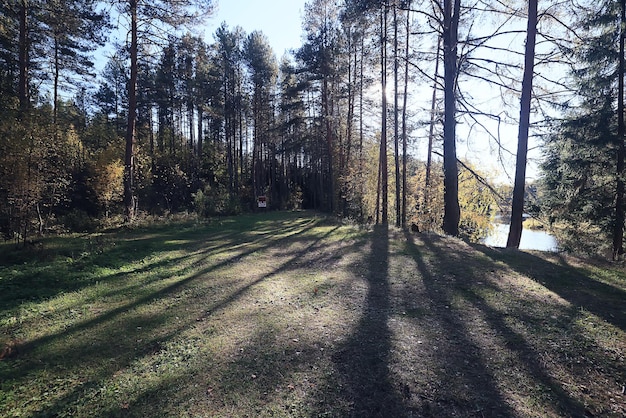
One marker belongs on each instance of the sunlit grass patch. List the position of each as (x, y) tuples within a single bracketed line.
[(294, 314)]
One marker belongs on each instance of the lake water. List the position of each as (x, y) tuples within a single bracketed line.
[(531, 240)]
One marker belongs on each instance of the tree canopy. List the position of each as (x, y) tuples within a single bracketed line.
[(375, 116)]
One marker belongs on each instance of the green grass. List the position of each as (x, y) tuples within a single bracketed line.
[(294, 314)]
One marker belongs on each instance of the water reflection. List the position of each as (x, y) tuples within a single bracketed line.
[(531, 240)]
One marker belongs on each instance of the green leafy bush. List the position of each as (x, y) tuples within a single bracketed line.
[(214, 202)]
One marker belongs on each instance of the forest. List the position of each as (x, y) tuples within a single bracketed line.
[(369, 119)]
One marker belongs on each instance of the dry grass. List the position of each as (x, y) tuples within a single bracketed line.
[(295, 315)]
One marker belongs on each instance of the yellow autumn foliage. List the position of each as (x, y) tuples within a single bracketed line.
[(108, 180)]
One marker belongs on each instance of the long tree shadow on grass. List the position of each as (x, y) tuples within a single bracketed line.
[(466, 386), (363, 360), (569, 282), (568, 334), (267, 360), (460, 282), (249, 379), (194, 272), (118, 347), (68, 264)]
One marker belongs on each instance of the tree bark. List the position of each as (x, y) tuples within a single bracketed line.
[(618, 233), (200, 132), (129, 169), (328, 127), (431, 132), (517, 208), (396, 134), (55, 88), (452, 212), (384, 175), (404, 104), (349, 120), (361, 121)]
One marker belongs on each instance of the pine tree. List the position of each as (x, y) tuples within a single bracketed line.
[(263, 69), (319, 58), (73, 29), (155, 15), (581, 172)]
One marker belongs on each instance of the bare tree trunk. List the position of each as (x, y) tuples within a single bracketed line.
[(380, 158), (190, 121), (404, 128), (452, 212), (384, 175), (230, 157), (327, 105), (200, 132), (396, 134), (55, 89), (150, 132), (517, 208), (233, 153), (431, 132), (350, 116), (255, 149), (129, 169), (240, 121), (361, 133), (40, 219), (618, 233)]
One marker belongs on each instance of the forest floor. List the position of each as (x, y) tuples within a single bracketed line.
[(295, 314)]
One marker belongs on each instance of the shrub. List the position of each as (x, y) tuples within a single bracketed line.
[(78, 220), (215, 202)]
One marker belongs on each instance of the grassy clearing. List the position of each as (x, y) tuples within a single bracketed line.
[(292, 314)]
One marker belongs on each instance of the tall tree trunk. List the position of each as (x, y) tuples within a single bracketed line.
[(618, 233), (517, 208), (228, 139), (404, 103), (23, 57), (192, 127), (346, 163), (452, 212), (431, 131), (200, 132), (327, 104), (129, 166), (234, 181), (55, 89), (255, 149), (171, 119), (230, 156), (380, 158), (153, 162), (240, 121), (384, 175), (396, 133), (351, 100), (361, 121)]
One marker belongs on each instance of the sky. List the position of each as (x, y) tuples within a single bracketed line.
[(279, 20)]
